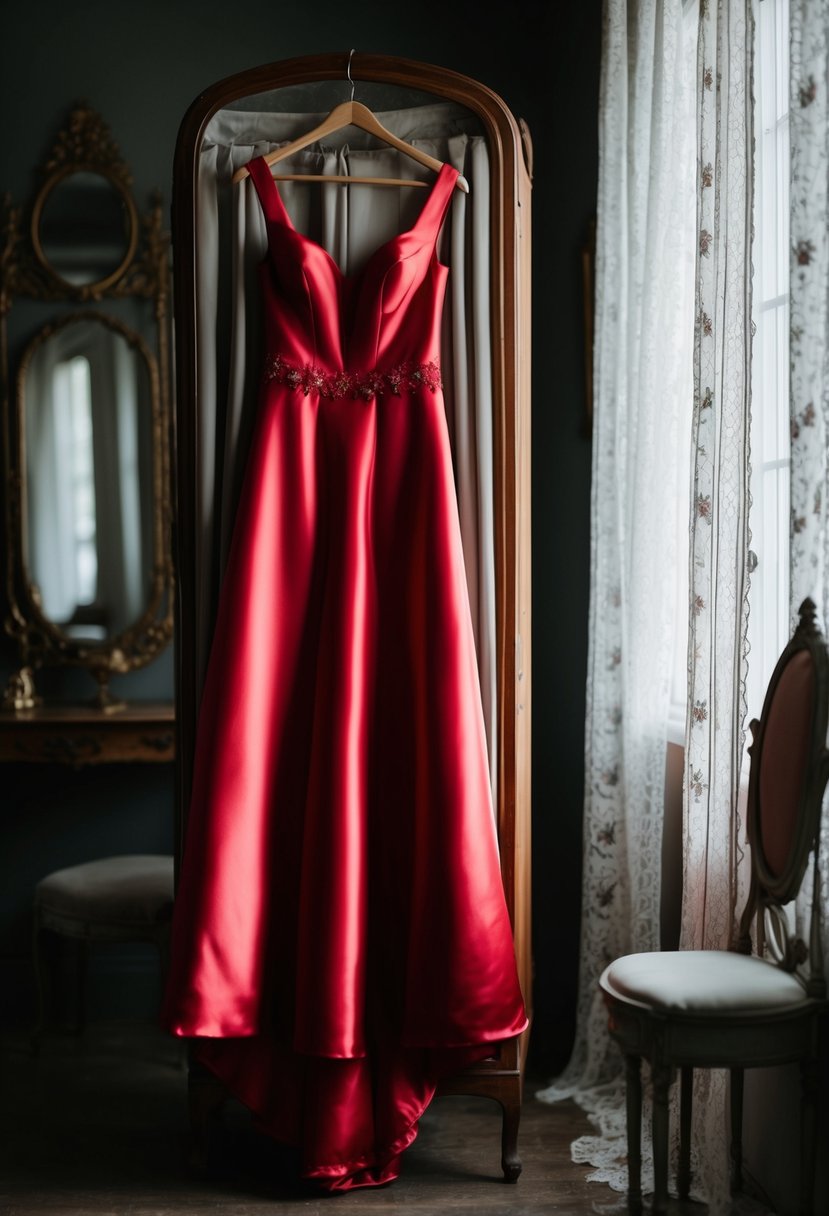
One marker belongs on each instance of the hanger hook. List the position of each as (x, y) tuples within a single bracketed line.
[(348, 72)]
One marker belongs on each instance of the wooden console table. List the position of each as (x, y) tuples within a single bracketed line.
[(80, 734)]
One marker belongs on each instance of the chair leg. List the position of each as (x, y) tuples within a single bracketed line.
[(510, 1161), (686, 1098), (633, 1099), (809, 1078), (737, 1075), (661, 1078)]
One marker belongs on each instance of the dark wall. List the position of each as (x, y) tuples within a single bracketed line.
[(140, 66)]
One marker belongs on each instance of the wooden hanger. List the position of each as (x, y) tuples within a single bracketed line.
[(351, 114)]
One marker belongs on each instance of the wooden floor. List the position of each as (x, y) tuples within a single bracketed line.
[(99, 1125)]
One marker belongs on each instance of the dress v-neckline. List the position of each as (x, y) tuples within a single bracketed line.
[(278, 213)]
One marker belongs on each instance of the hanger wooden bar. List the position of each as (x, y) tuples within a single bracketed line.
[(351, 114), (342, 179)]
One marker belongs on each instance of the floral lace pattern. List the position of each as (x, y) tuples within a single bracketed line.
[(642, 386), (809, 349), (404, 377), (641, 163), (719, 522), (809, 282), (713, 854)]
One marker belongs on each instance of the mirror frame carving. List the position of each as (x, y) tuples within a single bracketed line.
[(84, 145)]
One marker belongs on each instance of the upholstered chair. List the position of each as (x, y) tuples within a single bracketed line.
[(760, 1003)]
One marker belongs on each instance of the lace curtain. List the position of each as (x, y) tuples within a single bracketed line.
[(713, 835), (809, 288), (809, 351), (676, 100), (643, 387)]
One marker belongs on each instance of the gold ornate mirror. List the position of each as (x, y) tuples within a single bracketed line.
[(84, 227), (85, 411)]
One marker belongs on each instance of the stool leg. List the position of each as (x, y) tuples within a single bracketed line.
[(43, 992), (81, 971), (686, 1096), (206, 1096), (633, 1099), (661, 1078), (736, 1129), (163, 944)]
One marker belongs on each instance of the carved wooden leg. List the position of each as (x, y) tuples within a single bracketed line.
[(205, 1096), (633, 1098), (808, 1132), (686, 1097), (736, 1130), (510, 1161), (661, 1077)]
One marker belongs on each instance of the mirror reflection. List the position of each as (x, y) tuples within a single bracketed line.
[(84, 228), (87, 414)]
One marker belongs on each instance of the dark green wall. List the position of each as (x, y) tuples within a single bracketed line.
[(140, 66)]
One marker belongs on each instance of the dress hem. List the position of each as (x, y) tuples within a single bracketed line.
[(378, 1167), (498, 1036)]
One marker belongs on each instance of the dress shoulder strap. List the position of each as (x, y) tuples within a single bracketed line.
[(434, 211), (269, 197)]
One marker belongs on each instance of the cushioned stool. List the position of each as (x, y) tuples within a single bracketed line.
[(113, 899)]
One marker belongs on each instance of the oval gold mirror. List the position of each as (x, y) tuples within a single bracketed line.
[(84, 227)]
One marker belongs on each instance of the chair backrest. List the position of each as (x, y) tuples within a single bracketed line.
[(789, 770)]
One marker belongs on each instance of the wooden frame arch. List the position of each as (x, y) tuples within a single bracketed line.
[(510, 155)]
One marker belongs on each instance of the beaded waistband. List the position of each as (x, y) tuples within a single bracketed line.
[(368, 385)]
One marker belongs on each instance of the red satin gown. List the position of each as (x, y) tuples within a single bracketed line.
[(340, 936)]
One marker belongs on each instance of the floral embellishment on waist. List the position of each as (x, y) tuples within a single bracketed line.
[(394, 381)]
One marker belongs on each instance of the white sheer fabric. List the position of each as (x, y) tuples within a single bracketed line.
[(809, 346), (713, 848), (670, 72), (350, 224), (719, 520), (643, 389), (809, 287)]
